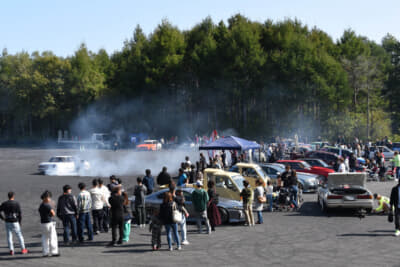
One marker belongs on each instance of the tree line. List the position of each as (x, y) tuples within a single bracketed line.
[(260, 79)]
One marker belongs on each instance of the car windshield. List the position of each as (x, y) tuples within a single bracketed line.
[(323, 163), (238, 179), (305, 164), (261, 172)]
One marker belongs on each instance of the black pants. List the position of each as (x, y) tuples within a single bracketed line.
[(117, 223), (140, 215), (98, 216), (397, 218), (106, 218)]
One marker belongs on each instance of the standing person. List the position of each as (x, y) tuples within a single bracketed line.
[(113, 183), (127, 217), (166, 215), (200, 201), (106, 206), (294, 189), (148, 181), (259, 199), (117, 215), (395, 205), (212, 210), (396, 163), (223, 158), (182, 177), (164, 178), (84, 206), (67, 212), (342, 165), (140, 205), (192, 174), (187, 161), (203, 162), (270, 192), (98, 202), (180, 203), (247, 197), (48, 225), (12, 217), (155, 229)]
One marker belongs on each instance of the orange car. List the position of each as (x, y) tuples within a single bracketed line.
[(149, 145)]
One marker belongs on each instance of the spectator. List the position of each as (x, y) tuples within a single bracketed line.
[(67, 212), (212, 210), (203, 162), (187, 161), (148, 181), (164, 178), (155, 229), (223, 158), (48, 225), (182, 177), (140, 205), (192, 174), (180, 203), (259, 199), (293, 189), (396, 163), (98, 202), (12, 217), (127, 217), (342, 166), (199, 201), (84, 206), (113, 183), (106, 206), (166, 215), (117, 215), (247, 197), (269, 194)]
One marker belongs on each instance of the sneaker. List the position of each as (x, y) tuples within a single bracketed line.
[(11, 252), (171, 249), (56, 255), (24, 251), (154, 248), (119, 242), (179, 248), (185, 242), (397, 233)]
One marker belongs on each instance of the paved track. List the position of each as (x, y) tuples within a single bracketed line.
[(305, 238)]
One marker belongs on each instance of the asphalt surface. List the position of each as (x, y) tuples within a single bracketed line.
[(304, 238)]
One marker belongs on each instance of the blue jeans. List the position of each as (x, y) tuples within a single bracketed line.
[(397, 172), (270, 202), (293, 195), (172, 227), (84, 221), (260, 216), (14, 227), (69, 223)]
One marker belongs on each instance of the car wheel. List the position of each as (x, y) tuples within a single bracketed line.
[(224, 215)]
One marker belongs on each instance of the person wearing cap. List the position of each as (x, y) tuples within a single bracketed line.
[(67, 212), (200, 200)]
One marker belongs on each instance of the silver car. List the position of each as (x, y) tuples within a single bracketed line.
[(308, 182), (345, 190), (231, 210)]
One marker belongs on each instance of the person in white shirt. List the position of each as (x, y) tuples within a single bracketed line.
[(270, 191), (342, 166), (106, 206), (98, 202)]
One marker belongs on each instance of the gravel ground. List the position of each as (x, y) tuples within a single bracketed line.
[(304, 238)]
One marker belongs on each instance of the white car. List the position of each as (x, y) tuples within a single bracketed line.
[(345, 190), (387, 152), (63, 165)]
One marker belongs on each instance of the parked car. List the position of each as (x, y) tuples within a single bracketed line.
[(302, 166), (307, 182), (63, 165), (396, 146), (251, 172), (337, 150), (387, 152), (231, 210), (328, 157), (346, 191), (317, 163)]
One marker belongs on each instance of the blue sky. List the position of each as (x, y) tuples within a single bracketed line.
[(60, 26)]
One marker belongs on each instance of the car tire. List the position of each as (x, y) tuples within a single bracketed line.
[(224, 215)]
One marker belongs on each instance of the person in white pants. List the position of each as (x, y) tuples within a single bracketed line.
[(48, 225)]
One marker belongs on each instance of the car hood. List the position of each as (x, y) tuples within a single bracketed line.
[(321, 169), (337, 179)]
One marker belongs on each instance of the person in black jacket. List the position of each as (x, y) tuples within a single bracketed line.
[(164, 178), (394, 204), (166, 216), (117, 215), (67, 212), (12, 217)]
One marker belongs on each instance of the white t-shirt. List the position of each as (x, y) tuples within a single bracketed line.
[(270, 189), (342, 167)]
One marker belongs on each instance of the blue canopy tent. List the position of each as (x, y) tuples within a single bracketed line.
[(230, 143)]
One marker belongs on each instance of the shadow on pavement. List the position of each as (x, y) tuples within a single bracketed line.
[(364, 234)]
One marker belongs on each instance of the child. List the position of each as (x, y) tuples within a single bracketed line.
[(270, 191), (155, 229), (49, 234), (247, 198)]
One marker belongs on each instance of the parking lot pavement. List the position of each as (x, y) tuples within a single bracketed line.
[(304, 238)]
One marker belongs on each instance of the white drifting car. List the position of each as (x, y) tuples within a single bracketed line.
[(64, 165), (345, 190)]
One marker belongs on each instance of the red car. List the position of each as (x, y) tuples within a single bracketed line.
[(302, 166)]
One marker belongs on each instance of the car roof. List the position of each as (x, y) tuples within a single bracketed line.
[(289, 160), (243, 164), (324, 152)]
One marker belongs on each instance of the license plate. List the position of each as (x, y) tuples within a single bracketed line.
[(349, 198)]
